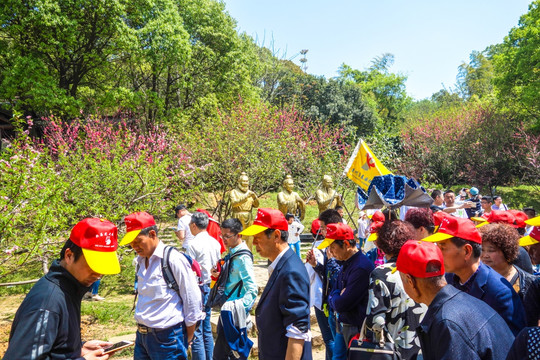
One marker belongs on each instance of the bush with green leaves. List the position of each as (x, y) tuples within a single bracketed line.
[(93, 167)]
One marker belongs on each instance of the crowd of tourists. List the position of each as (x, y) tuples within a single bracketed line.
[(436, 283), (458, 280)]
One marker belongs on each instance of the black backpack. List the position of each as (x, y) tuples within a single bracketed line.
[(217, 296), (168, 275)]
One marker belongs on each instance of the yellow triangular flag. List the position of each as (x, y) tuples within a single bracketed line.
[(363, 166)]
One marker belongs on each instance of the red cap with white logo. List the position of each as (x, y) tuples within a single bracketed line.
[(98, 239), (338, 231)]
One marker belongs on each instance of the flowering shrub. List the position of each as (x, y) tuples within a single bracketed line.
[(466, 145), (92, 167), (98, 167), (267, 144), (525, 153)]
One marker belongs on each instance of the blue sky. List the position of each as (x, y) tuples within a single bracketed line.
[(429, 39)]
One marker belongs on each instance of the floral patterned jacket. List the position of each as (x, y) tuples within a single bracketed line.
[(389, 305)]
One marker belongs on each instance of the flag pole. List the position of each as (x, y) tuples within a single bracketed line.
[(348, 166)]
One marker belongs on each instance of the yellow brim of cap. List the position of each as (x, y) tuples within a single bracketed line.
[(326, 243), (105, 263), (527, 240), (437, 237), (253, 230), (535, 221), (373, 237), (482, 224), (478, 219), (129, 237)]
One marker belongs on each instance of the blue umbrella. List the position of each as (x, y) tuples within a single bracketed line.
[(393, 191)]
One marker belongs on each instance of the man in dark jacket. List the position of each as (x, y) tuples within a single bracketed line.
[(47, 325), (456, 325), (350, 298), (282, 315), (461, 246), (475, 198)]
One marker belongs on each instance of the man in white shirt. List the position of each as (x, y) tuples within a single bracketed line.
[(452, 208), (206, 250), (363, 228), (165, 318), (498, 204), (183, 233), (341, 213), (295, 229)]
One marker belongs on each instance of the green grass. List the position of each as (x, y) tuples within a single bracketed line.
[(105, 312)]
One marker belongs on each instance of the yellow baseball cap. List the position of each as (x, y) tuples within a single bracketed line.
[(532, 238), (535, 221)]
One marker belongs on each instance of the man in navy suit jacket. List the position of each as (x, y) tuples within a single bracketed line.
[(461, 246), (282, 315)]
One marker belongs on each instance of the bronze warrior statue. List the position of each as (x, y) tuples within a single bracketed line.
[(243, 201), (326, 196), (289, 201)]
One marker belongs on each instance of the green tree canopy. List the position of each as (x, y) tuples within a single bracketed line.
[(476, 77), (156, 58), (50, 48), (517, 66), (384, 91)]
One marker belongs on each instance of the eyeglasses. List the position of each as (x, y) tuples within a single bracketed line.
[(227, 237)]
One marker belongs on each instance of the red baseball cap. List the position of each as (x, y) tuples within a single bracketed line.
[(452, 226), (377, 221), (535, 221), (497, 216), (438, 216), (315, 226), (267, 219), (377, 216), (98, 239), (374, 230), (338, 231), (532, 238), (520, 218), (415, 256), (135, 223)]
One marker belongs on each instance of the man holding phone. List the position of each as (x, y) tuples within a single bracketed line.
[(47, 325)]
